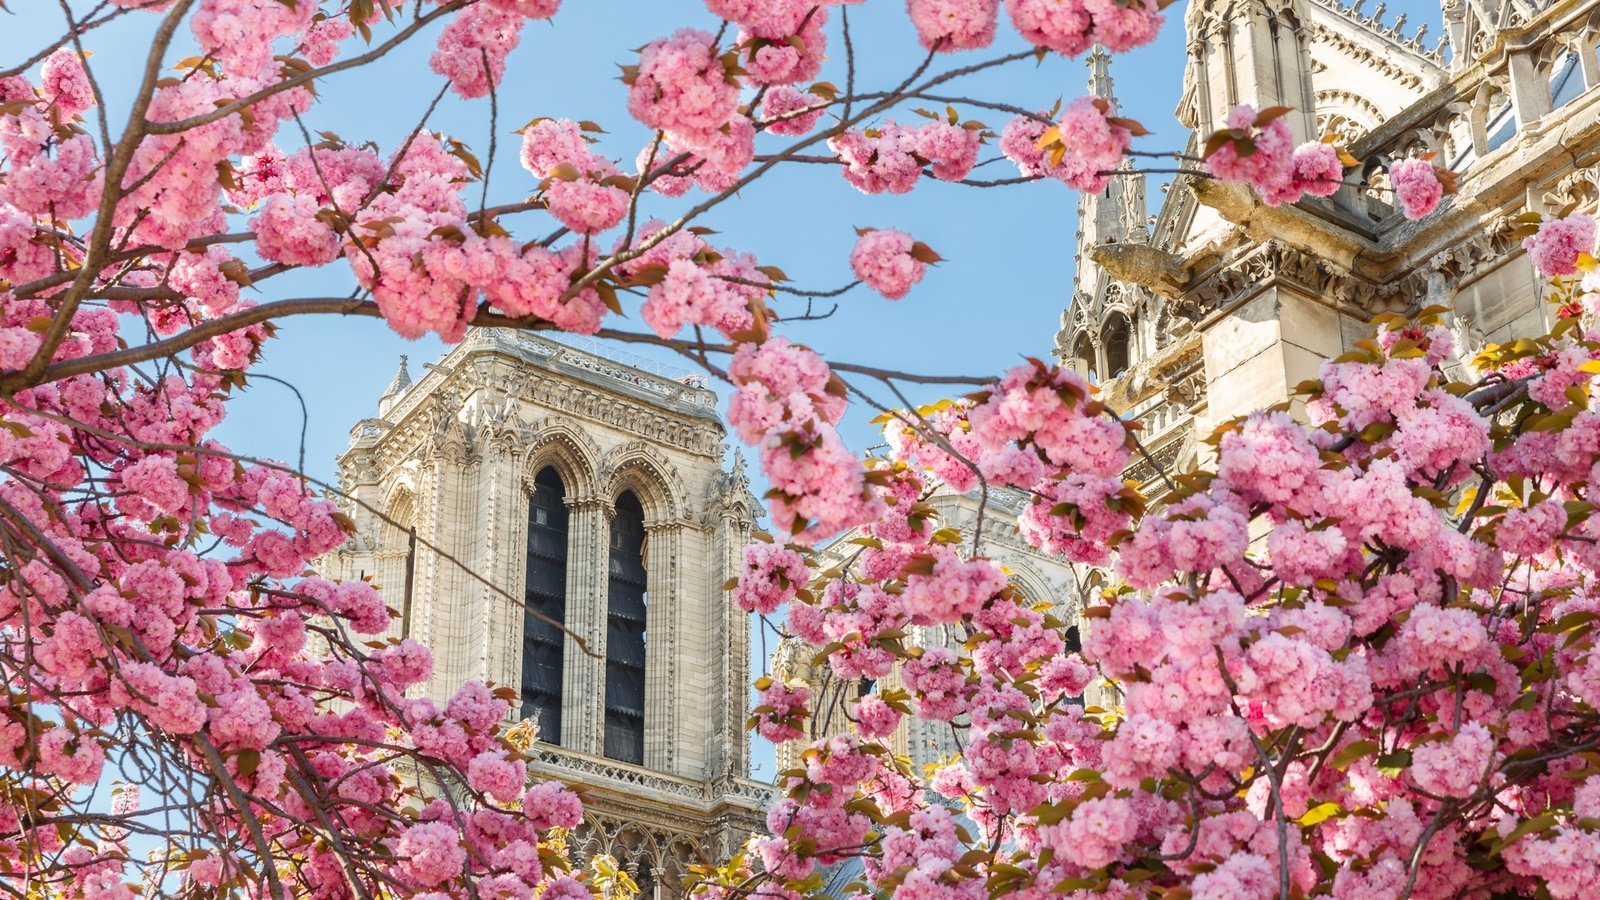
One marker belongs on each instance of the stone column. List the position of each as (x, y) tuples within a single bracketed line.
[(1478, 120), (1253, 56), (730, 744), (663, 682), (584, 683), (499, 548), (446, 505), (1530, 90), (1588, 61), (514, 532), (1200, 77), (1291, 67)]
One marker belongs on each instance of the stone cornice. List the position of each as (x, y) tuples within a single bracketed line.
[(1369, 56), (430, 421), (621, 781)]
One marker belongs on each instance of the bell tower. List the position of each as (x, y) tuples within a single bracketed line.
[(556, 519)]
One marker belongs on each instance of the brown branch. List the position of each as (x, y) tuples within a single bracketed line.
[(110, 196)]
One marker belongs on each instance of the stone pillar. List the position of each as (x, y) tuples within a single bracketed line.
[(500, 544), (729, 754), (1258, 352), (1292, 74), (1249, 52), (1199, 75), (446, 506), (1478, 120), (1588, 61), (1530, 90), (663, 682), (584, 684)]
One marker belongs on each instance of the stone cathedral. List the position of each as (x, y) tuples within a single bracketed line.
[(1217, 304), (524, 482)]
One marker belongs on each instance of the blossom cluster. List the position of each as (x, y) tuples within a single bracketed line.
[(1082, 150), (1380, 660), (161, 618), (889, 158), (1258, 149), (889, 261)]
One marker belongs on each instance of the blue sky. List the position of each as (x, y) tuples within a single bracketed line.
[(996, 298)]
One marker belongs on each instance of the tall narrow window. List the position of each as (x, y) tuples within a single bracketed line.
[(545, 597), (1115, 341), (1084, 350), (625, 634)]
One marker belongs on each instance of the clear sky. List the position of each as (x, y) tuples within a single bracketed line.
[(996, 298)]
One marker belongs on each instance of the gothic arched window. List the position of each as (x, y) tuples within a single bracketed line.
[(625, 634), (1115, 341), (1084, 350), (545, 600)]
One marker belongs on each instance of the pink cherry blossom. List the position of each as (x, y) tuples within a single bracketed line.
[(65, 85), (682, 87), (1556, 246), (790, 112), (473, 48), (1266, 162), (1093, 146), (770, 577), (1317, 169), (885, 260), (1416, 186), (1454, 767), (950, 25)]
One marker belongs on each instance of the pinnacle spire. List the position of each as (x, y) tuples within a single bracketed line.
[(402, 380), (1099, 62)]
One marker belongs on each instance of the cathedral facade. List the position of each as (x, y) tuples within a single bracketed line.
[(1217, 304), (559, 522)]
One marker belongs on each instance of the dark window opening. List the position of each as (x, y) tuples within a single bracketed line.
[(1115, 340), (646, 880), (545, 599), (1084, 350), (625, 634)]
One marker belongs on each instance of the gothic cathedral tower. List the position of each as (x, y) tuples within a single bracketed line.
[(1227, 304), (548, 518)]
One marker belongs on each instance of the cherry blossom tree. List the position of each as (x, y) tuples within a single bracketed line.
[(1355, 658)]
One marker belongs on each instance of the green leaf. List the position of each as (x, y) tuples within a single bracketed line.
[(1392, 764), (1356, 750), (249, 761), (1537, 823)]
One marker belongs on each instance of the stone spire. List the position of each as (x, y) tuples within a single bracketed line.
[(1254, 52), (1116, 214), (1099, 62), (397, 387)]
